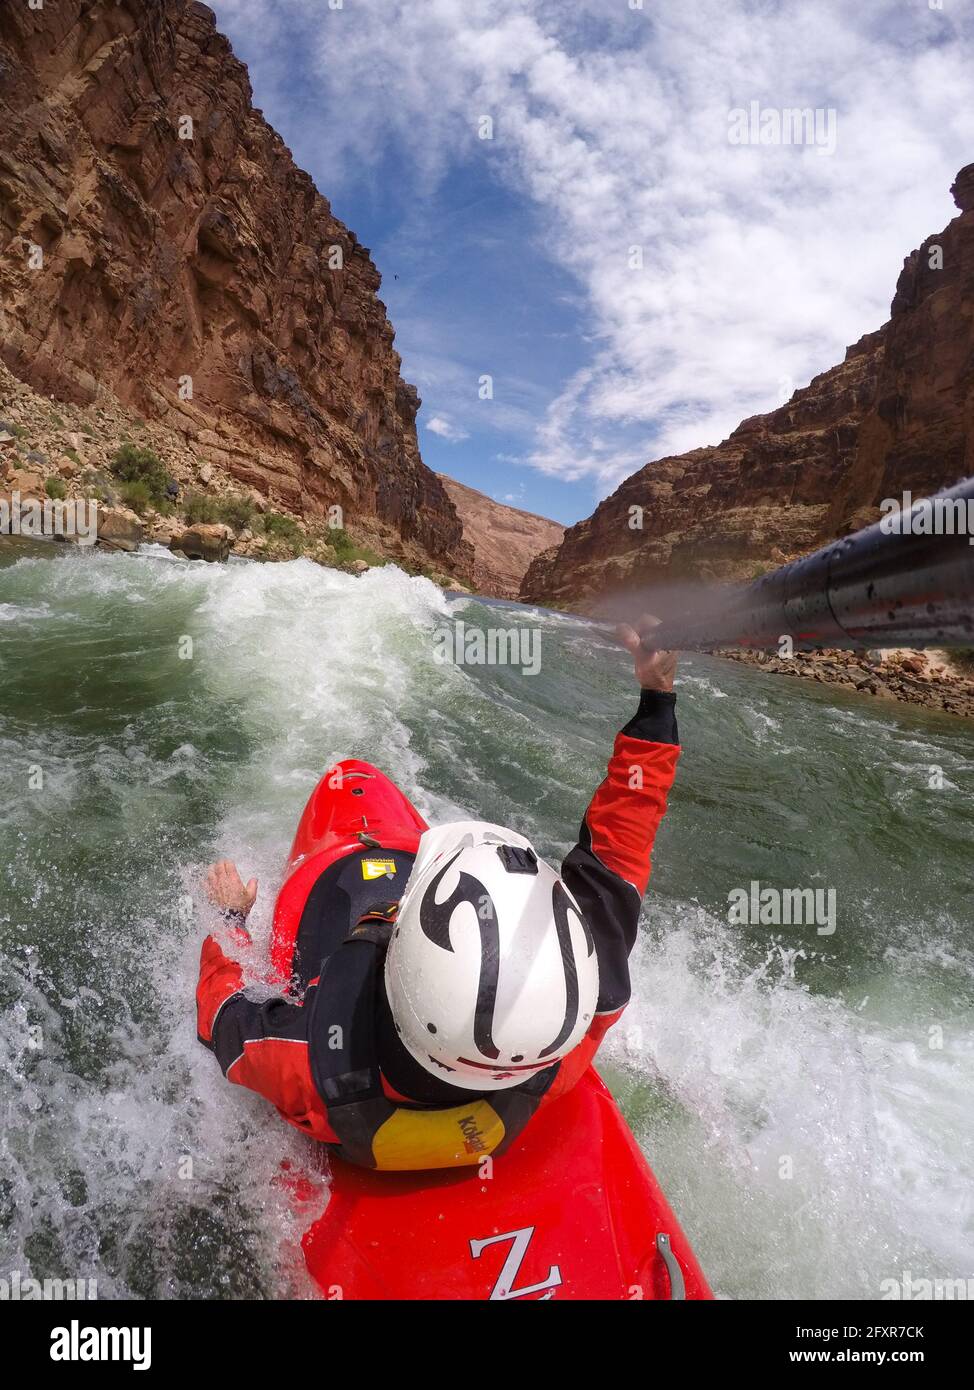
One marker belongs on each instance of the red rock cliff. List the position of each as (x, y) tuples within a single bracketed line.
[(505, 539), (897, 414), (210, 258)]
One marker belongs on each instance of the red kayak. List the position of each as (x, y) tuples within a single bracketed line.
[(572, 1210)]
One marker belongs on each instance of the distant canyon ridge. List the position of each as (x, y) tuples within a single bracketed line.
[(897, 415), (505, 539)]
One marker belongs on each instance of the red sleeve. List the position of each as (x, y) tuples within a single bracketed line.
[(260, 1045), (608, 870), (220, 979), (626, 810)]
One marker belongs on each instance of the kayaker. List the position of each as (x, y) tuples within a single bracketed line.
[(408, 1040)]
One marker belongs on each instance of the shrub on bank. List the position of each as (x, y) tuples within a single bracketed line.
[(278, 527), (136, 496), (200, 510), (346, 549), (132, 465), (236, 511)]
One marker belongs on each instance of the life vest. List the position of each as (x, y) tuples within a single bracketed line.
[(374, 1131)]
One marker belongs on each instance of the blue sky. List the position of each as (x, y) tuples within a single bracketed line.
[(514, 258)]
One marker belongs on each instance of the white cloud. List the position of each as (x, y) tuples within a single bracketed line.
[(453, 434), (760, 264)]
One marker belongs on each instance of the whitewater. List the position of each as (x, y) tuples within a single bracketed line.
[(803, 1099)]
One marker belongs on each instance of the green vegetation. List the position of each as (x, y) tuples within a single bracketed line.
[(234, 510), (133, 465), (237, 511), (342, 543), (73, 455), (99, 485), (137, 496), (963, 659), (55, 489), (278, 527), (346, 549), (200, 510)]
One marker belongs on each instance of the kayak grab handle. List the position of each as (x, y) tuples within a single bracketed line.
[(678, 1289)]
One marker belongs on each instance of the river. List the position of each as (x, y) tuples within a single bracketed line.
[(805, 1099)]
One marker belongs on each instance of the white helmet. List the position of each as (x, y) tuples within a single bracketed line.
[(491, 973)]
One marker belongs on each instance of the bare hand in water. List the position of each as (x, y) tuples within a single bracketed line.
[(225, 888), (655, 670)]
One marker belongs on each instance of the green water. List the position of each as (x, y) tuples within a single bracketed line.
[(804, 1099)]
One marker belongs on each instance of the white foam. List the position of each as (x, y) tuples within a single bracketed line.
[(740, 1063)]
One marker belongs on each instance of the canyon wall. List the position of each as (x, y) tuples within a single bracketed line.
[(897, 414), (158, 242)]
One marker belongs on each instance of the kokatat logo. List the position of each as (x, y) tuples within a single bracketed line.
[(473, 1138)]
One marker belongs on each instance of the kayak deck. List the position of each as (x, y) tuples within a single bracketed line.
[(572, 1211)]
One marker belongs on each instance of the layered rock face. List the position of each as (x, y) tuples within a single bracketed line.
[(896, 415), (505, 540), (157, 240)]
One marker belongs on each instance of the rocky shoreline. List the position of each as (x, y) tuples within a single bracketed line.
[(930, 679), (57, 450)]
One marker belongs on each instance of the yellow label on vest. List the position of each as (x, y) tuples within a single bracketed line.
[(378, 868), (415, 1139)]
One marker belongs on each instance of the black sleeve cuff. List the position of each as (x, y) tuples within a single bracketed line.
[(655, 720)]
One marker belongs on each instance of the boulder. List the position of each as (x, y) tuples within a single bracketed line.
[(164, 529), (359, 567), (27, 481), (203, 542), (119, 529)]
